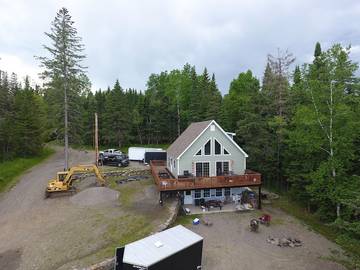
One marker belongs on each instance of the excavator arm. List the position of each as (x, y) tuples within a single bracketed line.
[(65, 184), (84, 169)]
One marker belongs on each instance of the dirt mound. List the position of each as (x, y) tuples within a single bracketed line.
[(94, 196)]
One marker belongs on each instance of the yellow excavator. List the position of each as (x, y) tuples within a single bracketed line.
[(64, 180)]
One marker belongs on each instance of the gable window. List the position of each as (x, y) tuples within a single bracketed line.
[(207, 148), (226, 152), (202, 169), (198, 153), (217, 148)]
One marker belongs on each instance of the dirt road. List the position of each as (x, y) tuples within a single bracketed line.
[(39, 233)]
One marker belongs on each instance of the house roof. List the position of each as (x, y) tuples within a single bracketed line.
[(186, 138), (157, 247)]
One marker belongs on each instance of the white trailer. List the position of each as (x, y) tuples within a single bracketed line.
[(138, 153)]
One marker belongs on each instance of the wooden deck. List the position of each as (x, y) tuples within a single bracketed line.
[(169, 183)]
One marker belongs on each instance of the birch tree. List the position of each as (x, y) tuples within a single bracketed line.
[(328, 126)]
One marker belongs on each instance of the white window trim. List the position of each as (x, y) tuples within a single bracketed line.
[(221, 148), (196, 162), (211, 152), (202, 151), (222, 192), (229, 161), (201, 194), (226, 135), (223, 152)]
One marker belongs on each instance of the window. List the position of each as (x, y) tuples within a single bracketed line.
[(202, 169), (218, 192), (226, 152), (197, 193), (206, 193), (227, 192), (226, 167), (207, 149), (188, 192), (174, 163), (222, 167), (217, 148), (198, 153)]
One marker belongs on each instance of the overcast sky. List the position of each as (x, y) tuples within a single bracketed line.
[(129, 40)]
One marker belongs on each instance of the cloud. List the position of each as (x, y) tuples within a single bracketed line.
[(13, 63), (129, 40)]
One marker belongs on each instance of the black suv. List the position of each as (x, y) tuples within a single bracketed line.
[(119, 160)]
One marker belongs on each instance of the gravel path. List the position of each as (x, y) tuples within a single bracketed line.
[(95, 196), (62, 231)]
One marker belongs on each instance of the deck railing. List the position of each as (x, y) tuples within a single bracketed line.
[(250, 178)]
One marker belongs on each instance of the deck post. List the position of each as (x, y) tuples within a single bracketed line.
[(161, 198), (259, 199)]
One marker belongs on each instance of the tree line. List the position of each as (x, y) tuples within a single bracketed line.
[(300, 125)]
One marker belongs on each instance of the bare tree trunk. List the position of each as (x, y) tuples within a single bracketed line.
[(139, 133), (66, 136)]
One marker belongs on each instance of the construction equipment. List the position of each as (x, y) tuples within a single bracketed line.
[(65, 179)]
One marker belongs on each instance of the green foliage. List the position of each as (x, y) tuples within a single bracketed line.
[(11, 169), (65, 79)]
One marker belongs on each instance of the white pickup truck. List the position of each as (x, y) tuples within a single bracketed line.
[(110, 151)]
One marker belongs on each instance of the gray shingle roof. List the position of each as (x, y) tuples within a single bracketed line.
[(186, 138)]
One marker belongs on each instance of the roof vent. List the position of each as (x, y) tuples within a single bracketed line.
[(158, 244), (212, 128)]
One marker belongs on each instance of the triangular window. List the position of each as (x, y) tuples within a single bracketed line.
[(198, 153), (217, 148), (226, 152), (207, 148)]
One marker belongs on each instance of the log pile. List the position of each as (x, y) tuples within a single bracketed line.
[(284, 241)]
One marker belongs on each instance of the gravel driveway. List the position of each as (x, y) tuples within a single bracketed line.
[(38, 233), (229, 244)]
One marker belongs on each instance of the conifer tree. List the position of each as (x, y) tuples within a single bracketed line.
[(63, 67)]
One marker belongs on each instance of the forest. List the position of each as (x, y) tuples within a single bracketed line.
[(300, 125)]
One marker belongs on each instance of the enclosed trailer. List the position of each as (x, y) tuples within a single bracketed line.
[(159, 155), (177, 248), (138, 153)]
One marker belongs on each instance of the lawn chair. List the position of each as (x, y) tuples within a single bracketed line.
[(265, 219)]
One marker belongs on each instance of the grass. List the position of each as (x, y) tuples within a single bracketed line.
[(309, 219), (185, 220), (11, 170)]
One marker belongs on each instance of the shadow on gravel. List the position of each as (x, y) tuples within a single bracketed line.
[(10, 259)]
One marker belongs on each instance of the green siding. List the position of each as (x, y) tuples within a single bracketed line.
[(237, 159)]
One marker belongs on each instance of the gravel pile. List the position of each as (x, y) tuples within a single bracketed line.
[(94, 196)]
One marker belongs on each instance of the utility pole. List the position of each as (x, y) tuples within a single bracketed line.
[(96, 140)]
